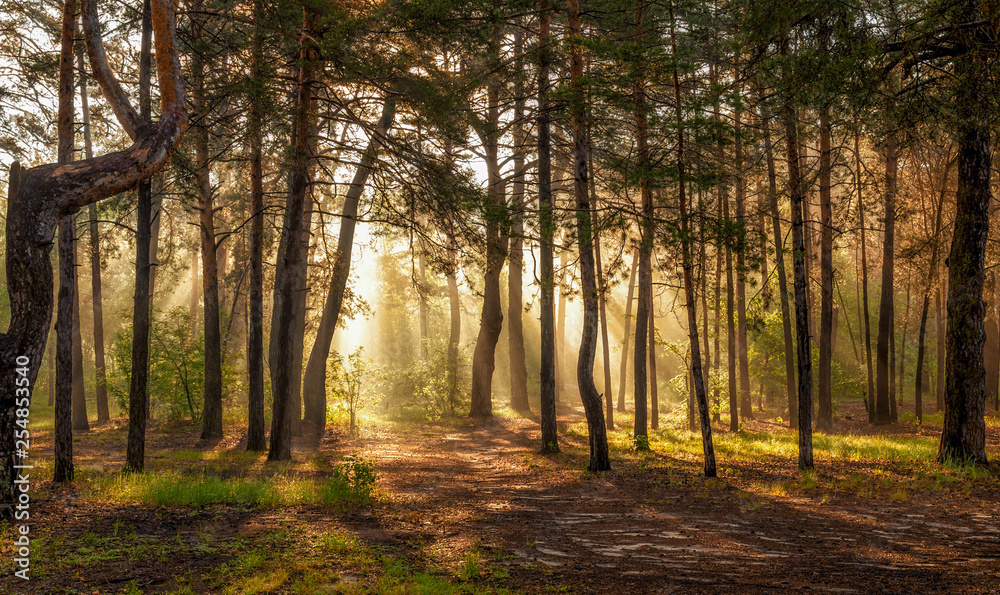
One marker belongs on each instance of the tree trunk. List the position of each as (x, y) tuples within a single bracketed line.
[(284, 337), (599, 456), (942, 332), (455, 335), (734, 416), (211, 415), (779, 265), (646, 233), (870, 399), (801, 305), (100, 377), (135, 454), (64, 355), (255, 336), (609, 405), (491, 319), (63, 431), (623, 370), (746, 408), (43, 195), (654, 402), (515, 299), (824, 418), (547, 406), (696, 372), (80, 423), (314, 384), (963, 437), (883, 408)]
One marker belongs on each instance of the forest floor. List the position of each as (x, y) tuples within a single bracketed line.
[(467, 507)]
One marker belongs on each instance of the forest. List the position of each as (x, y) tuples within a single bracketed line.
[(499, 296)]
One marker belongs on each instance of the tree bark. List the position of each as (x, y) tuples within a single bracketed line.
[(824, 417), (746, 408), (283, 341), (963, 437), (883, 413), (646, 233), (211, 415), (515, 299), (80, 423), (491, 318), (135, 452), (599, 457), (67, 262), (547, 406), (255, 336), (696, 373), (801, 304)]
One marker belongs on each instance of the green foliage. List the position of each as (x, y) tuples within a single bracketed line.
[(349, 381), (176, 366)]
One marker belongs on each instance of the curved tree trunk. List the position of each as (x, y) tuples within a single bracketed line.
[(491, 319), (314, 383), (599, 456), (42, 195)]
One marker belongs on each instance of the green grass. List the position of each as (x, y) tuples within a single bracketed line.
[(349, 484)]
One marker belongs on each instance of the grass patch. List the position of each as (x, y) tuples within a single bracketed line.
[(350, 483)]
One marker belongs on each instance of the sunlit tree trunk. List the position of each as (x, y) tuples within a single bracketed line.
[(491, 319), (599, 456), (314, 384), (623, 369), (696, 373), (515, 300)]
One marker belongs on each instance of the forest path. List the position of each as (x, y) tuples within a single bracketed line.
[(655, 530)]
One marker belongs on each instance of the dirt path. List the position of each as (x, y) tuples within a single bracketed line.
[(628, 532)]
